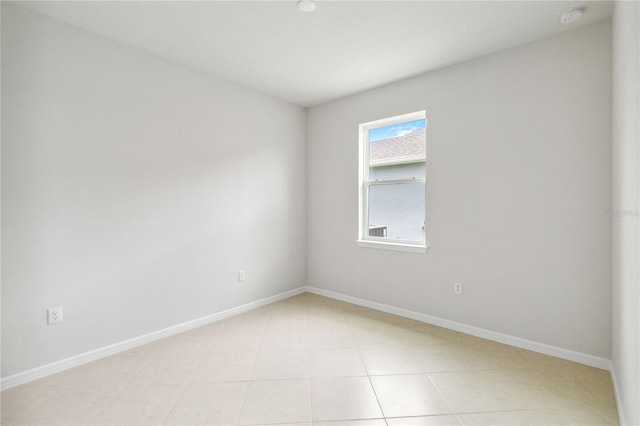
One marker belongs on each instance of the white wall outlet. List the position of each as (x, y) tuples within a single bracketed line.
[(54, 315), (241, 275), (457, 289)]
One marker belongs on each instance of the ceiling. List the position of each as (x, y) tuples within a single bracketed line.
[(341, 48)]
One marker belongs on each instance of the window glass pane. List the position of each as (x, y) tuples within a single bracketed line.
[(396, 211), (397, 151)]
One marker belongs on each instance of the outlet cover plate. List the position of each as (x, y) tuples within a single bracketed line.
[(457, 289), (54, 315)]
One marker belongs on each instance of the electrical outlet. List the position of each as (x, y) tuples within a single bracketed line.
[(241, 275), (54, 315), (457, 289)]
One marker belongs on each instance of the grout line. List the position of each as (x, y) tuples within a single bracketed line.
[(244, 398), (490, 412), (115, 395), (372, 387), (310, 401), (450, 371), (17, 421), (514, 410), (173, 406), (306, 326), (246, 389), (184, 385), (443, 398)]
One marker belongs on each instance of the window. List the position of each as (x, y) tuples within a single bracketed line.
[(392, 183)]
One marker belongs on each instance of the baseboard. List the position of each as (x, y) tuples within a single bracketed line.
[(74, 361), (543, 348), (618, 396)]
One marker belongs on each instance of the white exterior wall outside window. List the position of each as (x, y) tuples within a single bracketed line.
[(392, 183)]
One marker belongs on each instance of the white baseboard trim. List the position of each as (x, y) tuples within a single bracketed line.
[(83, 358), (76, 360), (590, 360), (617, 394)]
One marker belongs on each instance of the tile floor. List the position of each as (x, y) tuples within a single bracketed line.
[(309, 360)]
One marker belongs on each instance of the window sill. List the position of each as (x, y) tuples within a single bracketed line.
[(415, 248)]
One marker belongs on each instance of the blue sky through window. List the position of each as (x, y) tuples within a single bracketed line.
[(395, 130)]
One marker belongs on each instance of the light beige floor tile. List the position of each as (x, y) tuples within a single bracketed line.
[(446, 357), (285, 424), (286, 322), (539, 417), (396, 359), (285, 340), (331, 337), (536, 360), (373, 336), (577, 386), (276, 401), (456, 357), (95, 392), (70, 406), (336, 362), (416, 335), (225, 367), (343, 398), (500, 356), (241, 341), (123, 412), (160, 393), (147, 350), (492, 390), (368, 422), (351, 307), (423, 421), (190, 343), (436, 334), (18, 401), (67, 414), (281, 364), (325, 319), (370, 318), (241, 325), (170, 368), (208, 403), (210, 330), (408, 395), (503, 356), (103, 374), (128, 362)]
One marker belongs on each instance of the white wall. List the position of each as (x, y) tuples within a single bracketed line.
[(626, 186), (518, 186), (133, 189)]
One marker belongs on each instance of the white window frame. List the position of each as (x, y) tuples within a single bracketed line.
[(364, 239)]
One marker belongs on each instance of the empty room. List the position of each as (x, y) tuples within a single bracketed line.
[(320, 212)]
